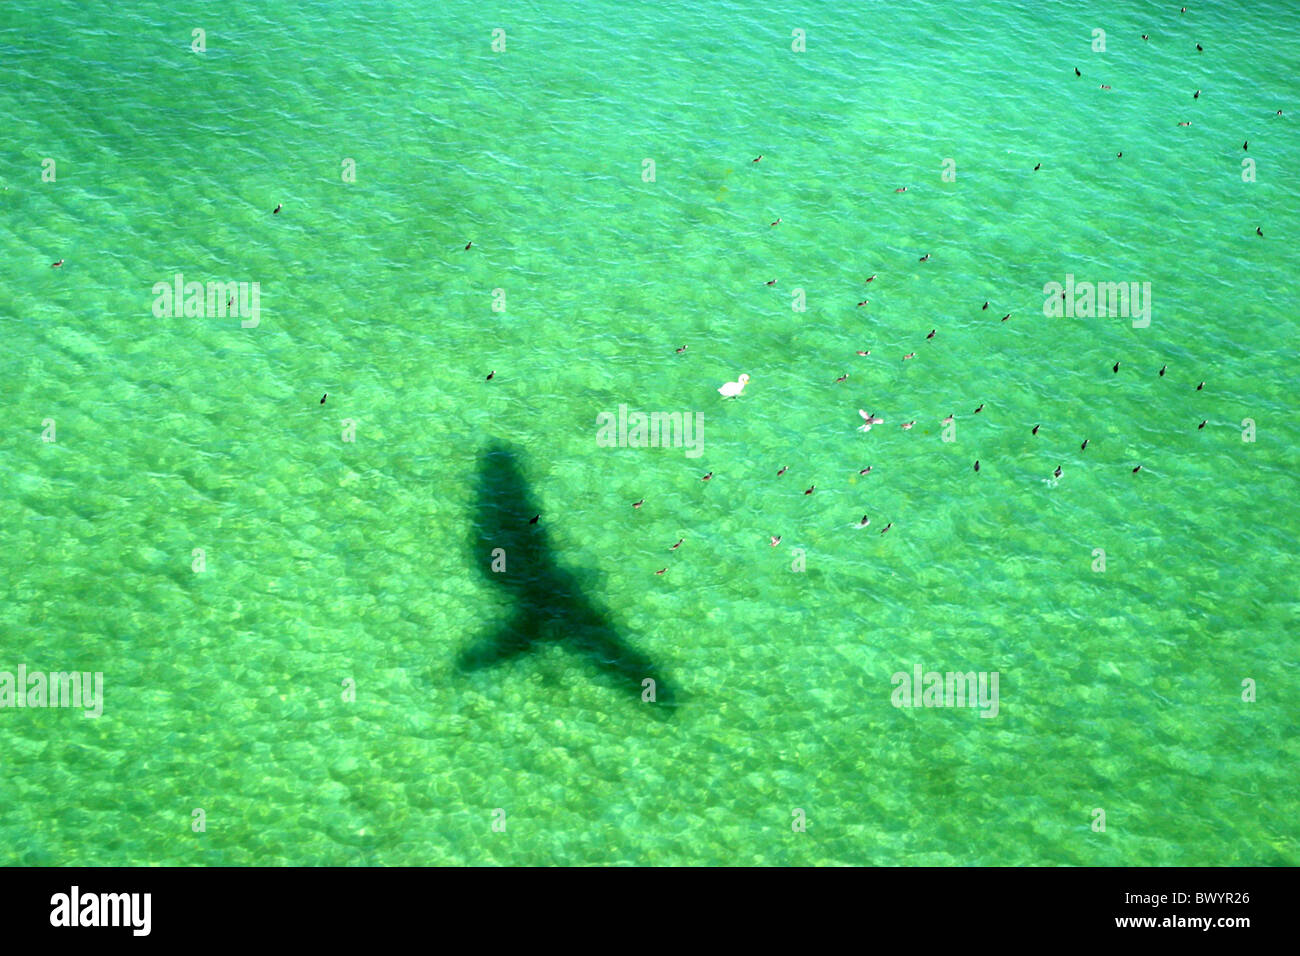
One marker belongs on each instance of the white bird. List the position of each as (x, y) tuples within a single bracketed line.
[(869, 419), (732, 389)]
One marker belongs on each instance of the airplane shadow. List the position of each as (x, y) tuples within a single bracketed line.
[(549, 601)]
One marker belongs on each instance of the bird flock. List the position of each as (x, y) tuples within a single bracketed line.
[(736, 389)]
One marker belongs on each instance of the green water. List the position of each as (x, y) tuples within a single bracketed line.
[(330, 561)]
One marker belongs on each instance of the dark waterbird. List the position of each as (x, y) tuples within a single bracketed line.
[(549, 603)]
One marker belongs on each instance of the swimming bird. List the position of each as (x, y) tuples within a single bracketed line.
[(841, 378), (1202, 424), (776, 539), (1137, 469), (1116, 367), (1057, 473), (661, 571), (757, 158), (931, 335), (1184, 124), (907, 426), (323, 397), (1034, 430), (1201, 386), (863, 302), (978, 410), (784, 469), (489, 375), (924, 257), (1076, 72), (977, 464), (534, 519), (1105, 87), (1084, 446), (638, 504), (677, 545), (946, 421), (909, 355), (1119, 155), (770, 282), (1195, 96), (276, 210), (902, 190), (1038, 167), (776, 223), (1246, 145), (869, 419), (1007, 316), (873, 275), (864, 522), (55, 265), (1258, 231), (867, 352), (1145, 37), (986, 305), (707, 477), (682, 349), (732, 389), (865, 471), (810, 489), (886, 527), (1199, 48), (1162, 370)]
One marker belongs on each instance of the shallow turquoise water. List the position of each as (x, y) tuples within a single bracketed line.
[(329, 561)]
